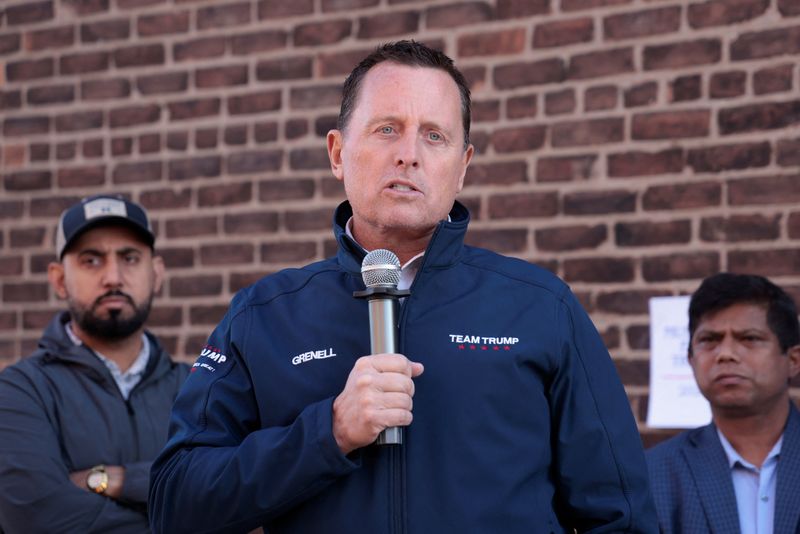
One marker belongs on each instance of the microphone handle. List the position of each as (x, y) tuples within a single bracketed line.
[(383, 339)]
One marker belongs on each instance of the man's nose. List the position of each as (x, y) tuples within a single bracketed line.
[(407, 154), (727, 350), (112, 274)]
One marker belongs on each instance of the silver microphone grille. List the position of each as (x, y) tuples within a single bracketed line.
[(380, 268)]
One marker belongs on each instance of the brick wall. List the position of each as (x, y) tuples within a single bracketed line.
[(631, 146)]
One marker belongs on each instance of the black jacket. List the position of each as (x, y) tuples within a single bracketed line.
[(61, 411)]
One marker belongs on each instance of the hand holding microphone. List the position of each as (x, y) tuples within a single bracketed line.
[(377, 398)]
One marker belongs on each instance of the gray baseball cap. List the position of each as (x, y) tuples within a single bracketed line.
[(98, 210)]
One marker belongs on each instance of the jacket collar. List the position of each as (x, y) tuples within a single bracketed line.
[(443, 249)]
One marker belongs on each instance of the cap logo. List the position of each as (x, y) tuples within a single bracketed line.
[(103, 207)]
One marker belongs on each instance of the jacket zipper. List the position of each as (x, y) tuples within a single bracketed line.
[(397, 486)]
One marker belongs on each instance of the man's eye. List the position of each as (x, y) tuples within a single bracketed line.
[(132, 259), (387, 129), (90, 261), (435, 136)]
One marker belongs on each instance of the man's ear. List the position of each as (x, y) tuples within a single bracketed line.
[(55, 275), (335, 153), (794, 361), (159, 272), (465, 159)]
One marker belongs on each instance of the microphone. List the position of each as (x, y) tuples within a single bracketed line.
[(380, 271)]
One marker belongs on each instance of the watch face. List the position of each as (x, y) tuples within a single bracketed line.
[(95, 479)]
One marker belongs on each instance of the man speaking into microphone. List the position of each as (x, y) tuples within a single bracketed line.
[(513, 418)]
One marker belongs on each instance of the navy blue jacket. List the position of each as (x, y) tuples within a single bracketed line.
[(520, 421), (693, 488), (61, 411)]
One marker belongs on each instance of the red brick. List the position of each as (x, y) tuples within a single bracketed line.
[(29, 13), (149, 143), (520, 107), (565, 168), (322, 33), (105, 89), (262, 41), (642, 94), (588, 132), (788, 152), (156, 199), (309, 159), (226, 254), (178, 140), (647, 233), (340, 63), (627, 302), (497, 173), (602, 63), (39, 151), (67, 150), (210, 315), (84, 176), (483, 111), (308, 220), (253, 222), (10, 266), (504, 241), (221, 76), (50, 94), (284, 69), (739, 228), (694, 265), (599, 202), (519, 74), (235, 135), (764, 190), (205, 138), (52, 206), (768, 43), (134, 4), (32, 69), (510, 41), (599, 270), (202, 48), (105, 30), (684, 54), (168, 82), (25, 292), (191, 227), (285, 189), (794, 227), (571, 237), (518, 139), (27, 237), (388, 24), (10, 100), (642, 23), (788, 8), (223, 16), (225, 195), (273, 9), (515, 9), (84, 63), (454, 15), (559, 102), (139, 56), (639, 163), (80, 120), (727, 84), (288, 252), (686, 88), (198, 167), (163, 23), (601, 97), (193, 109), (727, 157), (773, 79), (295, 128), (671, 124), (61, 37), (195, 286), (523, 205), (138, 171), (8, 319), (725, 12), (255, 161), (85, 7), (315, 97), (251, 103), (128, 116), (165, 316), (770, 262), (563, 32), (11, 209), (756, 117), (265, 132), (121, 146), (9, 43)]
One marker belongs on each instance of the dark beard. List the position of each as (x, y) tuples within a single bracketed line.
[(115, 327)]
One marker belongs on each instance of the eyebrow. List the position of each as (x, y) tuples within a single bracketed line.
[(120, 251)]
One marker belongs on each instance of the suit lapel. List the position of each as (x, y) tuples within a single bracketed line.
[(787, 492), (712, 475)]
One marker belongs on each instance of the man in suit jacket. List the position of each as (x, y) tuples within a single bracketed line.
[(741, 473)]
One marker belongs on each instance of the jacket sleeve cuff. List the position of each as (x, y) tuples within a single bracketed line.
[(136, 483)]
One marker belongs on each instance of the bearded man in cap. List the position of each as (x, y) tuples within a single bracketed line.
[(83, 417)]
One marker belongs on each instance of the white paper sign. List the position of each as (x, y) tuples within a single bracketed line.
[(675, 400)]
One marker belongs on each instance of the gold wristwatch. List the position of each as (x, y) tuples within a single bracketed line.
[(97, 479)]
